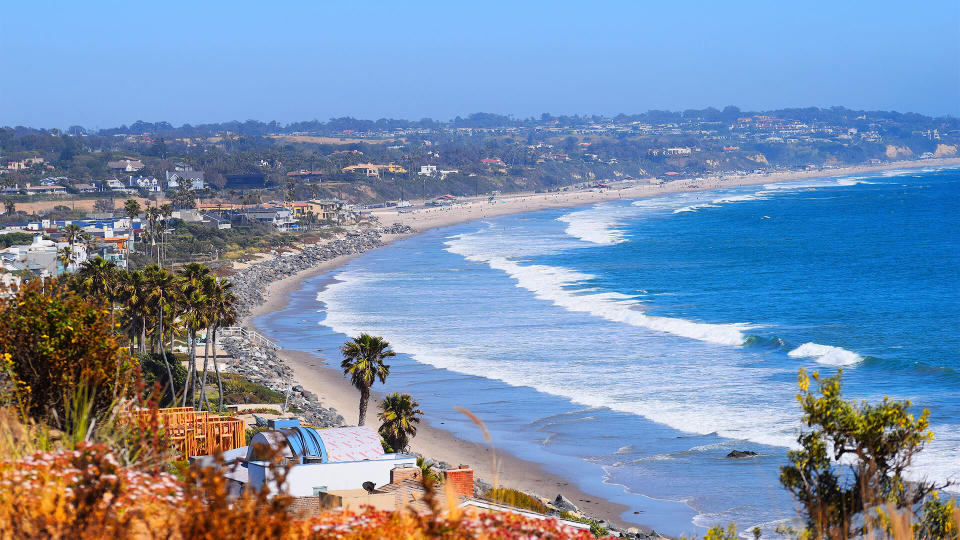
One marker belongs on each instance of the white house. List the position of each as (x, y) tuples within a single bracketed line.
[(185, 175), (334, 459), (148, 183)]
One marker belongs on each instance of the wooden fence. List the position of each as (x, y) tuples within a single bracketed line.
[(198, 433)]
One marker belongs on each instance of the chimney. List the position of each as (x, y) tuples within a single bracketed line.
[(461, 480)]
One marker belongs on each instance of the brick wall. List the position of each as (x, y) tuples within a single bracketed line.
[(461, 480), (399, 474), (304, 507)]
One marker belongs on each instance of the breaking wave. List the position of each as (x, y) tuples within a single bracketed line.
[(566, 288), (826, 354)]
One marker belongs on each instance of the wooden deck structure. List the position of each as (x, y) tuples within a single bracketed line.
[(199, 433)]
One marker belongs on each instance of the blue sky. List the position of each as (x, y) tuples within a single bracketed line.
[(101, 64)]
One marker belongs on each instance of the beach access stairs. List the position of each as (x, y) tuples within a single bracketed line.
[(250, 335)]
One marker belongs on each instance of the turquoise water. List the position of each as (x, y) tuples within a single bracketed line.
[(630, 346)]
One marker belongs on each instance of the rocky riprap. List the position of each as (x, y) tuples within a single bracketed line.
[(259, 363), (250, 284)]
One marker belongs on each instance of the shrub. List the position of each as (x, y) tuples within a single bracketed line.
[(54, 342), (516, 498), (237, 390), (848, 474)]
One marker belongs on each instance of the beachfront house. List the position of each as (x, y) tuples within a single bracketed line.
[(280, 217), (325, 460)]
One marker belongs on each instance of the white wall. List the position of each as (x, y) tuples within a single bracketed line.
[(334, 476)]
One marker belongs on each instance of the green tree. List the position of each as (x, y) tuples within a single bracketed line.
[(9, 207), (848, 474), (399, 416), (363, 358)]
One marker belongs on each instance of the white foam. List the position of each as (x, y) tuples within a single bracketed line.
[(597, 224), (826, 354), (564, 288)]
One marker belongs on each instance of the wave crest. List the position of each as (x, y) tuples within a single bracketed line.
[(826, 354)]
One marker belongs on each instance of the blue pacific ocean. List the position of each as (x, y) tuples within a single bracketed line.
[(630, 346)]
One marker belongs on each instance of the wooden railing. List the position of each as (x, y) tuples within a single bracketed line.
[(198, 433)]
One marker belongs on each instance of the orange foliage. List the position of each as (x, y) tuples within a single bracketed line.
[(86, 494)]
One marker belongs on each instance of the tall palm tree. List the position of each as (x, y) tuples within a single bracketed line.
[(153, 217), (72, 233), (99, 278), (166, 210), (133, 296), (160, 286), (399, 414), (363, 358), (194, 302), (132, 208), (210, 289), (223, 310)]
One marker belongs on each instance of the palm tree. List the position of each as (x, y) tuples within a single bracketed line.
[(160, 287), (207, 315), (427, 469), (399, 415), (153, 217), (363, 358), (223, 310), (65, 257), (99, 278), (194, 302), (73, 233), (133, 296), (132, 208), (166, 210)]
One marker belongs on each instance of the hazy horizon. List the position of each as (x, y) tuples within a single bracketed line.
[(116, 63)]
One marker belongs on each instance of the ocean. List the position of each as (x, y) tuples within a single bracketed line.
[(630, 346)]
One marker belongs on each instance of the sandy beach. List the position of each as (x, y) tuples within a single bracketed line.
[(322, 376)]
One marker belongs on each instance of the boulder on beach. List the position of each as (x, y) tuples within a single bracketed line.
[(563, 503), (741, 454)]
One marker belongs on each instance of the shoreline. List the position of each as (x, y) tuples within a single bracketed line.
[(436, 442)]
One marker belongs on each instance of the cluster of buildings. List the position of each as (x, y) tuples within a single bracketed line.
[(50, 254), (182, 175)]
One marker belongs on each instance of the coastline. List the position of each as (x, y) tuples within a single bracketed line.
[(436, 442)]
